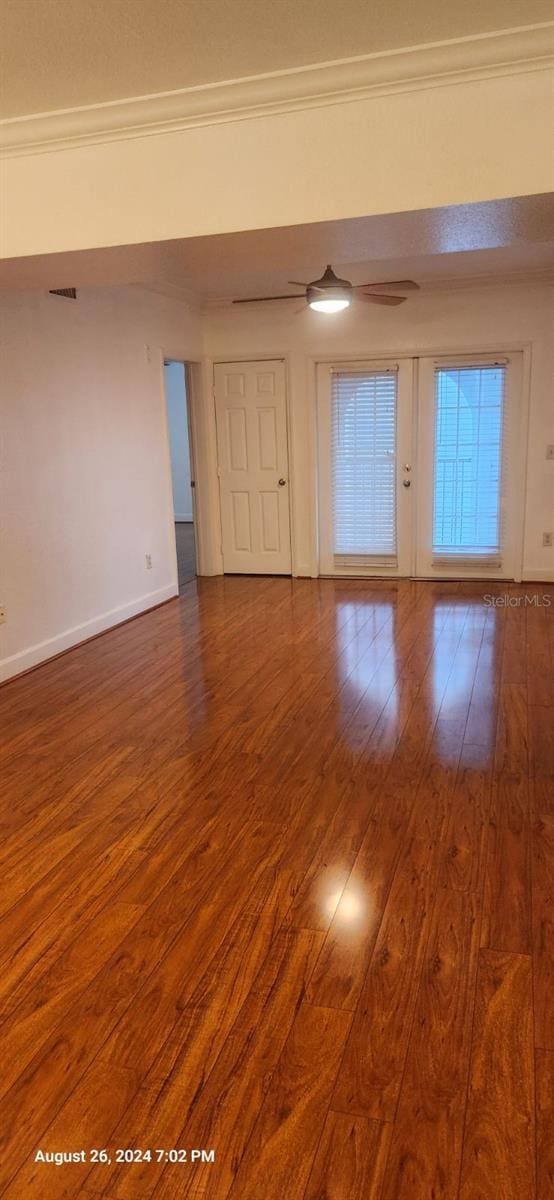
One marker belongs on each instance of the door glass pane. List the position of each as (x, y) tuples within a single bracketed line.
[(363, 452), (469, 421)]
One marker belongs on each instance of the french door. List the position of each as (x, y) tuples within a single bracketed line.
[(365, 475), (419, 467)]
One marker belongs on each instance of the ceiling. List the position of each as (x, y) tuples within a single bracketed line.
[(489, 241), (66, 53)]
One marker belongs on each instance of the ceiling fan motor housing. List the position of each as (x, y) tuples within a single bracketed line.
[(338, 289)]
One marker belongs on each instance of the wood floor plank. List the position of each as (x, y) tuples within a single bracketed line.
[(426, 1147), (465, 841), (281, 1149), (86, 1120), (543, 929), (351, 1159), (507, 897), (40, 1013), (541, 738), (542, 797), (371, 1072), (499, 1140), (512, 736), (340, 972), (545, 1124), (220, 1108), (66, 1052)]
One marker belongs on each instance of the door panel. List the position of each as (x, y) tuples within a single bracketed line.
[(251, 422), (365, 468), (467, 466)]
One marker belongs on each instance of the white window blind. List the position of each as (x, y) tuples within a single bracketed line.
[(468, 474), (363, 479)]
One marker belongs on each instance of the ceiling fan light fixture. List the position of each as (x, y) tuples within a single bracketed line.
[(329, 304)]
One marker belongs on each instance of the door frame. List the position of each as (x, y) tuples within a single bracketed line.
[(521, 428), (279, 356)]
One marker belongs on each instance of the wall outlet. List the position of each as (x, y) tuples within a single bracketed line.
[(548, 539), (550, 451), (148, 561), (2, 614)]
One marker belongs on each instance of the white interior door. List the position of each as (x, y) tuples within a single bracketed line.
[(365, 467), (253, 467), (470, 466)]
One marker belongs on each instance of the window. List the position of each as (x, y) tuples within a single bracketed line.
[(469, 437), (363, 456)]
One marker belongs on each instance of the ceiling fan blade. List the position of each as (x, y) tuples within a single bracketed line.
[(297, 283), (262, 299), (373, 298), (404, 285)]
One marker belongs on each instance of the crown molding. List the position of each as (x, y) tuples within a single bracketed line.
[(457, 61)]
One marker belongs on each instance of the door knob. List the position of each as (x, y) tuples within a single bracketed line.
[(406, 482), (282, 482)]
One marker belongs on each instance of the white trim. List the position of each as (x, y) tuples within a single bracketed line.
[(457, 60), (14, 664), (538, 576)]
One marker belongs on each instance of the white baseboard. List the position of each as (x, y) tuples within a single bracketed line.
[(182, 517), (539, 576), (42, 651)]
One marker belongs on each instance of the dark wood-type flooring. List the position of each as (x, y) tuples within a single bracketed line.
[(277, 881), (186, 552)]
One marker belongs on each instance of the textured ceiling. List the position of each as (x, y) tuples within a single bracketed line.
[(65, 53), (490, 240)]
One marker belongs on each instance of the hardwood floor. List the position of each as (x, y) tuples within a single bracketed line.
[(186, 552), (277, 882)]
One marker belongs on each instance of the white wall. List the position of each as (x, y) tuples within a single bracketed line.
[(434, 321), (86, 487), (176, 402)]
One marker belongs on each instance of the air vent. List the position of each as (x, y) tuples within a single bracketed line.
[(67, 293)]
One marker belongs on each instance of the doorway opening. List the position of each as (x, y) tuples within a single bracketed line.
[(182, 476)]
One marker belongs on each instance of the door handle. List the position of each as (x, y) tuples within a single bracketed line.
[(282, 482), (406, 482)]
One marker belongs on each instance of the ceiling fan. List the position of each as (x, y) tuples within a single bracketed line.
[(331, 294)]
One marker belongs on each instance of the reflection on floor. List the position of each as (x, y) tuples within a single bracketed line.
[(277, 865), (186, 553)]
